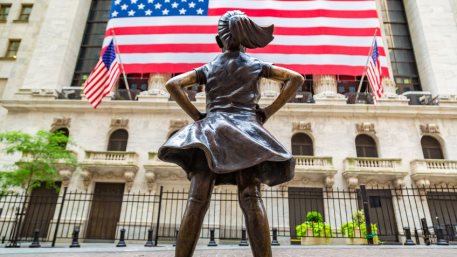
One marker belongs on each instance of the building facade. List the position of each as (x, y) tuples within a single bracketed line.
[(340, 139)]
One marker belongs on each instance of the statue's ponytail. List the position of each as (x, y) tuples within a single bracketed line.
[(236, 29)]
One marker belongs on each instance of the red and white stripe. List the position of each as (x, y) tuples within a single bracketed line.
[(100, 82), (374, 75), (311, 37)]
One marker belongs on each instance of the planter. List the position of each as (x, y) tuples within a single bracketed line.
[(309, 239), (359, 239)]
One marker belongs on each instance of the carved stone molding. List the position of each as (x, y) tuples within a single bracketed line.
[(62, 122), (87, 177), (302, 126), (365, 127), (119, 123), (429, 128), (129, 178), (150, 180), (66, 177)]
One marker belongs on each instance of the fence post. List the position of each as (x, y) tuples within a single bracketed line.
[(275, 237), (244, 240), (409, 240), (158, 216), (122, 239), (59, 217), (36, 239), (212, 241), (150, 243), (366, 211), (75, 237)]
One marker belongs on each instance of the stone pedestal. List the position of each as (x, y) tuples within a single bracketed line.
[(156, 89), (390, 96), (269, 90), (325, 90)]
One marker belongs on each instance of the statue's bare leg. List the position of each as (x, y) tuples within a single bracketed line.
[(254, 212), (201, 187)]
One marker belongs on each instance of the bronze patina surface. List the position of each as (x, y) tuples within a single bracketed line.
[(228, 144)]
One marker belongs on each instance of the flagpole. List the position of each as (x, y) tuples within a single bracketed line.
[(122, 65), (366, 65)]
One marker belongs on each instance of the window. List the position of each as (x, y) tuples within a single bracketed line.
[(118, 140), (13, 47), (399, 45), (366, 146), (25, 12), (65, 132), (431, 148), (302, 144), (92, 40), (4, 11)]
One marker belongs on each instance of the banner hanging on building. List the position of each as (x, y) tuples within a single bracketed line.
[(311, 37)]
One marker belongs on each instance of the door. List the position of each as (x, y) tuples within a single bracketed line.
[(105, 211), (301, 201), (382, 214), (443, 205), (39, 211)]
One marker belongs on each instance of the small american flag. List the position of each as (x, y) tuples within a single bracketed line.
[(311, 36), (104, 76), (374, 73)]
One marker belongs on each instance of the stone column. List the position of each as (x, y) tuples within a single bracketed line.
[(325, 90), (269, 90), (156, 88), (390, 96)]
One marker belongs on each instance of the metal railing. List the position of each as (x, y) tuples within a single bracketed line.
[(294, 213)]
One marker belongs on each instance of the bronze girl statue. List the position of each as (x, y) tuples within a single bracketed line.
[(228, 144)]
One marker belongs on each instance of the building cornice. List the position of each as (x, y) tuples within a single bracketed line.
[(294, 109)]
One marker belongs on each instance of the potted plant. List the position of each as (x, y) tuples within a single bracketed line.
[(314, 231), (356, 230)]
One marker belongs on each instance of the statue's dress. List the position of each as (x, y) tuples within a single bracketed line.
[(230, 138)]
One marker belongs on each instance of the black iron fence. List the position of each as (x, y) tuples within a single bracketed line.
[(296, 214)]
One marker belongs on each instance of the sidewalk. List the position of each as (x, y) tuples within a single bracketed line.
[(109, 250)]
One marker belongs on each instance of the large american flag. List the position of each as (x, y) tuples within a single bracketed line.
[(374, 72), (104, 76), (311, 37)]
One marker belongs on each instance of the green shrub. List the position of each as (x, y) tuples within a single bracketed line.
[(315, 222), (358, 222), (314, 216)]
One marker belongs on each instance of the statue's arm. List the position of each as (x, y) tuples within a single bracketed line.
[(175, 87), (292, 80)]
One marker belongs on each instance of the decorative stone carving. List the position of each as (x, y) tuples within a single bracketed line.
[(329, 181), (429, 128), (62, 122), (365, 127), (119, 123), (301, 126), (352, 182), (129, 178), (42, 92), (66, 176), (87, 177), (150, 179)]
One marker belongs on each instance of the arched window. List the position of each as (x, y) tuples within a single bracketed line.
[(366, 146), (118, 140), (302, 144), (65, 132), (431, 148)]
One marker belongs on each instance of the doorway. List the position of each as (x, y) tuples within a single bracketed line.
[(301, 201), (105, 211), (382, 214)]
